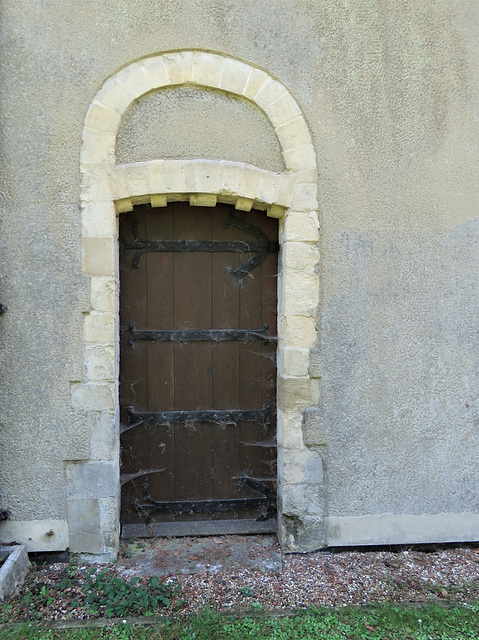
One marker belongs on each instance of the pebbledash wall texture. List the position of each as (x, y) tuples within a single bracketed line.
[(356, 123)]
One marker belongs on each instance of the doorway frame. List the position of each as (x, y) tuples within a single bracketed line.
[(107, 190)]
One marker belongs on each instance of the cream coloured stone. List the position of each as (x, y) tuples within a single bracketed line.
[(93, 396), (134, 79), (117, 181), (186, 59), (98, 147), (294, 393), (284, 190), (98, 218), (208, 69), (269, 92), (100, 327), (115, 96), (235, 76), (300, 256), (275, 211), (100, 363), (156, 176), (95, 185), (103, 294), (293, 134), (297, 331), (136, 178), (300, 226), (254, 82), (283, 109), (101, 118), (249, 181), (209, 175), (244, 204), (203, 200), (154, 69), (289, 429), (293, 361), (266, 186), (300, 294), (298, 158), (158, 200), (189, 169), (174, 67), (173, 176), (123, 206), (98, 256), (232, 178), (35, 534), (305, 196)]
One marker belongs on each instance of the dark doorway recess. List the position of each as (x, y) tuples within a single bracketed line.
[(198, 370)]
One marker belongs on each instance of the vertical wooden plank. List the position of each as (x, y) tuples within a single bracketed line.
[(133, 362), (226, 379), (193, 361), (161, 376)]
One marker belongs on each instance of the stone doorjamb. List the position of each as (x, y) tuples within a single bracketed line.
[(93, 489)]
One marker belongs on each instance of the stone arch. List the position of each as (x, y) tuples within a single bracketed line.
[(107, 189)]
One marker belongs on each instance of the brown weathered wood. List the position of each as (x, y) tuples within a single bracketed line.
[(195, 291)]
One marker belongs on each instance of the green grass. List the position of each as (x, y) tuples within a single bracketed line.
[(385, 622)]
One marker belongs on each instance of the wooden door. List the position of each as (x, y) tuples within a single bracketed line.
[(197, 370)]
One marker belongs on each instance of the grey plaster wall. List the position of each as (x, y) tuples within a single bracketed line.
[(389, 90), (188, 122)]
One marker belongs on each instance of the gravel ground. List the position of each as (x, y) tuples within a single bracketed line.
[(313, 579)]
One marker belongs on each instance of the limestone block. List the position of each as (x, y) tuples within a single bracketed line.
[(255, 80), (208, 69), (103, 435), (301, 294), (136, 178), (302, 466), (98, 255), (91, 480), (283, 109), (186, 60), (36, 535), (134, 79), (275, 211), (100, 363), (174, 67), (290, 435), (98, 147), (302, 157), (284, 190), (158, 201), (300, 226), (115, 96), (109, 514), (102, 118), (83, 542), (98, 219), (189, 169), (100, 327), (209, 175), (244, 204), (83, 515), (95, 184), (293, 361), (203, 200), (297, 331), (173, 176), (156, 176), (305, 196), (302, 500), (294, 133), (293, 393), (266, 187), (154, 69), (123, 206), (314, 433), (93, 396), (232, 178), (268, 93), (249, 181), (300, 256), (306, 533), (235, 76)]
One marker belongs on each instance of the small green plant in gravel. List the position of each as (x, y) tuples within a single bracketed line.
[(117, 597)]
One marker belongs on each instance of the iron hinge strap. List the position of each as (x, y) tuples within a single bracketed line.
[(199, 335)]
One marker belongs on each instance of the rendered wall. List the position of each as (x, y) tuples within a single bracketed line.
[(389, 92)]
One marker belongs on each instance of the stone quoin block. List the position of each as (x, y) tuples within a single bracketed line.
[(98, 218), (100, 327), (93, 396), (98, 255)]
